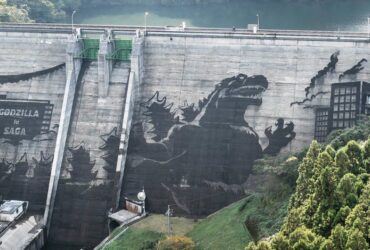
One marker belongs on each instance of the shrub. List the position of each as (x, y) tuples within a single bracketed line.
[(176, 243)]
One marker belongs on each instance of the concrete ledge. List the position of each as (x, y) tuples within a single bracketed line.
[(190, 32)]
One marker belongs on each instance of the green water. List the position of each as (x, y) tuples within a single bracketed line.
[(274, 14)]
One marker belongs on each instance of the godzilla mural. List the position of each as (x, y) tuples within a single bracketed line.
[(309, 90), (80, 164), (27, 135), (201, 159), (111, 149), (355, 69)]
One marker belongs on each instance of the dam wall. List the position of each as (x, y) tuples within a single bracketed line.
[(210, 106), (47, 89), (183, 117), (88, 168), (32, 76)]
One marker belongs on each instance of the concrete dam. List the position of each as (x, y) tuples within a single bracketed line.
[(88, 119)]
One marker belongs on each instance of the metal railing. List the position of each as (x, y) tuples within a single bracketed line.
[(191, 31)]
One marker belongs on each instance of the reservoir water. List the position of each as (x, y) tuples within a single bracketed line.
[(349, 15)]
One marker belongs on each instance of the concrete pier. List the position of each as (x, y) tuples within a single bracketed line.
[(73, 67)]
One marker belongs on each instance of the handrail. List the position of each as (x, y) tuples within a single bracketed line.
[(191, 31)]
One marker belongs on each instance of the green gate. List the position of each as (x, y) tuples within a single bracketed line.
[(90, 49), (122, 50)]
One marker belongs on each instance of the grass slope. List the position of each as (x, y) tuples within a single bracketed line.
[(145, 234), (134, 239), (234, 226), (158, 223), (224, 230)]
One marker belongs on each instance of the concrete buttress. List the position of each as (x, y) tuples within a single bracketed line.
[(73, 67)]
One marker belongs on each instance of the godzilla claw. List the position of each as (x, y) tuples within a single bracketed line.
[(282, 136)]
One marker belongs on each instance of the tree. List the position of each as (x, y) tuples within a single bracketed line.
[(13, 13), (40, 10), (342, 162), (304, 239), (355, 155), (330, 209), (280, 242), (306, 172), (356, 240), (367, 156), (327, 245), (346, 190), (251, 246), (339, 237), (263, 245)]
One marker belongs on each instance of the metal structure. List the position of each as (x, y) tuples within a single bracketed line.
[(145, 16), (90, 49), (73, 13), (122, 50)]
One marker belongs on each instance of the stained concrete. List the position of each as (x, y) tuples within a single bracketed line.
[(183, 68), (186, 69), (86, 182), (23, 53)]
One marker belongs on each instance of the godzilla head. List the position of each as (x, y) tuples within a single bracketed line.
[(242, 90)]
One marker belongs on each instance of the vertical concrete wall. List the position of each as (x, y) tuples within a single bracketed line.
[(187, 70), (209, 107), (133, 92), (194, 112), (32, 76), (104, 63), (84, 195), (65, 163), (73, 73)]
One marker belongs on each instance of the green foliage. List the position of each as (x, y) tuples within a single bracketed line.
[(360, 132), (262, 245), (134, 239), (279, 242), (339, 237), (285, 168), (13, 13), (356, 240), (228, 229), (40, 10), (330, 209), (304, 239), (306, 171), (176, 243)]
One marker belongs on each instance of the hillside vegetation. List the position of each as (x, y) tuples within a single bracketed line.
[(330, 209)]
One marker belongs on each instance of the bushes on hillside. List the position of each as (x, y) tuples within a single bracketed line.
[(13, 13), (176, 243), (330, 208), (360, 132), (40, 10)]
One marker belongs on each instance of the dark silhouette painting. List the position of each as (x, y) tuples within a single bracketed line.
[(81, 164), (199, 162), (355, 69), (310, 95), (111, 149), (21, 167), (43, 166)]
